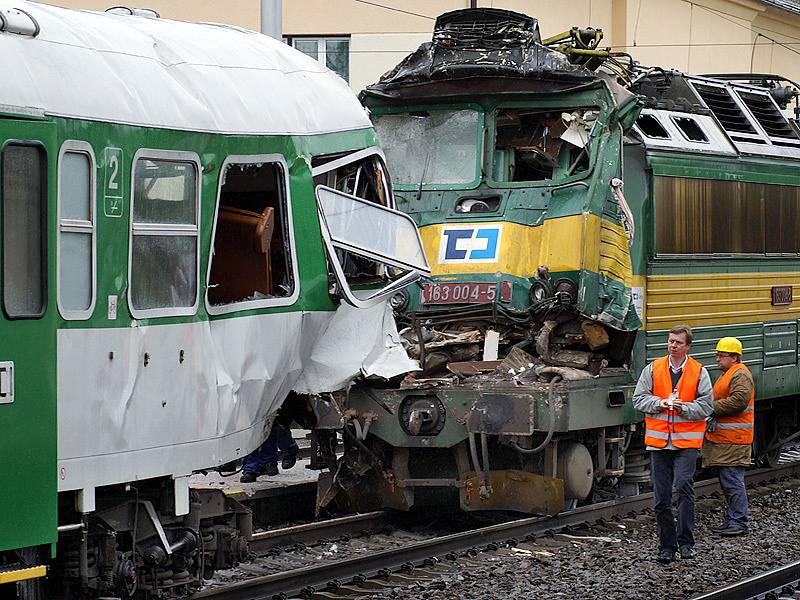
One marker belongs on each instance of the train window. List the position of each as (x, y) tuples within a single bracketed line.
[(536, 145), (431, 147), (365, 229), (76, 230), (252, 263), (702, 216), (24, 202), (651, 127), (690, 129), (363, 175), (373, 250), (164, 234)]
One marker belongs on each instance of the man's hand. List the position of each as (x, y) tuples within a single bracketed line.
[(677, 405)]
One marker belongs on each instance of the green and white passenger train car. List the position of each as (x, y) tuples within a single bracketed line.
[(165, 282)]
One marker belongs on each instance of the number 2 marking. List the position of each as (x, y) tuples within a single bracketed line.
[(112, 180), (113, 205)]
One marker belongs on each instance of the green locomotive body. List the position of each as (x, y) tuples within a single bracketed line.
[(587, 279)]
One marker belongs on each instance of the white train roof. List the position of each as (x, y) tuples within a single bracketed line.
[(169, 74)]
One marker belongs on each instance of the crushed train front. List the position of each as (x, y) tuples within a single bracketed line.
[(507, 154)]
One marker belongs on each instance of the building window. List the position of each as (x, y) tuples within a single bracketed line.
[(76, 230), (252, 264), (164, 234), (333, 52), (24, 189), (705, 216)]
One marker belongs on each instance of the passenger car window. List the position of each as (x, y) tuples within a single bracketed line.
[(373, 250), (252, 264), (164, 234), (24, 202), (76, 231)]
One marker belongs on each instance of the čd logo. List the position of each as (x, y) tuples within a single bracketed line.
[(470, 243)]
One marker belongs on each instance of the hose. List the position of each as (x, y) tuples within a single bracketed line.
[(550, 427), (487, 471), (473, 450)]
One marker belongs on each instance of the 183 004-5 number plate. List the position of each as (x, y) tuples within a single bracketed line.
[(458, 293)]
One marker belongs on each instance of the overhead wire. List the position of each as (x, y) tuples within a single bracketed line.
[(400, 10)]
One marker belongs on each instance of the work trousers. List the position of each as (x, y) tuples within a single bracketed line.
[(731, 480), (280, 437), (674, 468)]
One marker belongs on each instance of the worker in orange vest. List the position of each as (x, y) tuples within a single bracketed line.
[(729, 438), (674, 393)]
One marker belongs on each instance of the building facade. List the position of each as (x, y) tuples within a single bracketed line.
[(361, 39)]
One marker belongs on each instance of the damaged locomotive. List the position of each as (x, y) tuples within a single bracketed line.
[(507, 152)]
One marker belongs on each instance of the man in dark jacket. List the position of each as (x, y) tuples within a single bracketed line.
[(729, 436)]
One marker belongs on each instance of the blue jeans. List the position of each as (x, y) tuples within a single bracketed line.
[(668, 468), (731, 480), (267, 453)]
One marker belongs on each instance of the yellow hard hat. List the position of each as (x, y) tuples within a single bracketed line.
[(730, 344)]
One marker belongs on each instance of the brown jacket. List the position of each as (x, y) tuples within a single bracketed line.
[(730, 455)]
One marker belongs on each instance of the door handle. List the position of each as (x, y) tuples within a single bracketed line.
[(6, 382)]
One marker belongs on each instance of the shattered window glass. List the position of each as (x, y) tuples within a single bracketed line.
[(537, 145), (165, 237), (430, 147), (364, 178), (252, 257), (369, 228)]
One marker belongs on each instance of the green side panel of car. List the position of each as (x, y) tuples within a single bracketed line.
[(28, 427)]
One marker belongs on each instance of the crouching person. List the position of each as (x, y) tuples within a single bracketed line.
[(729, 439), (674, 393)]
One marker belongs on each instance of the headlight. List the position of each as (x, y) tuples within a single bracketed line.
[(399, 300), (567, 291), (539, 291)]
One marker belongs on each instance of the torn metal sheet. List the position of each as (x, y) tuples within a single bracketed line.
[(167, 399), (482, 42), (356, 341)]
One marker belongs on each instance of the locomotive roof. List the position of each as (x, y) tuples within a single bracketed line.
[(714, 114), (480, 50), (169, 74)]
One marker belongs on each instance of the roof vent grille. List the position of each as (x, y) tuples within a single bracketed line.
[(725, 108), (767, 114), (16, 20), (134, 12)]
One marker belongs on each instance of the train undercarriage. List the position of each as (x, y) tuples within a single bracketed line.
[(134, 546)]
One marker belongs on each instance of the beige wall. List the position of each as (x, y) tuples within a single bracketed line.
[(244, 13), (372, 54), (699, 37)]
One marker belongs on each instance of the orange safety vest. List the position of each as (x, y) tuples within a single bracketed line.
[(670, 425), (738, 428)]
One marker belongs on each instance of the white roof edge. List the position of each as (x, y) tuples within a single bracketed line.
[(170, 74)]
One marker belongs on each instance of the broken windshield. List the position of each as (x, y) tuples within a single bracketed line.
[(537, 145), (429, 148)]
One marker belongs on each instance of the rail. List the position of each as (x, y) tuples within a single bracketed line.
[(307, 580)]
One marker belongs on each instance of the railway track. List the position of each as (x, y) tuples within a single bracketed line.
[(423, 559), (775, 584), (309, 532)]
